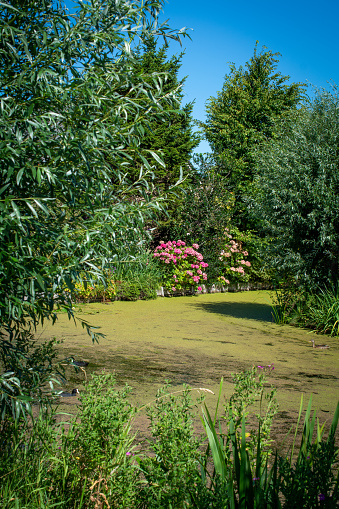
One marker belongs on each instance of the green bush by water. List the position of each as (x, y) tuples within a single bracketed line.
[(318, 310), (129, 280)]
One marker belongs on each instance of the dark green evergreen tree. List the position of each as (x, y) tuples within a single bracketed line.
[(242, 117), (170, 133)]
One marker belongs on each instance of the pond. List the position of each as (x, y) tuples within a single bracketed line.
[(199, 339)]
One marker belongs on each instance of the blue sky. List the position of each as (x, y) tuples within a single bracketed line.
[(306, 33)]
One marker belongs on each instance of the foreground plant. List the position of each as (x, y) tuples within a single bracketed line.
[(309, 477), (317, 310), (305, 479), (171, 465), (79, 463), (93, 460)]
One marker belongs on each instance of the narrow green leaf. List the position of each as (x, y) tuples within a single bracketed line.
[(16, 210), (42, 206), (19, 175), (157, 158)]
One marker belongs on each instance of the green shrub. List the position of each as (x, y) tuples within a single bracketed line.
[(139, 279), (171, 466), (93, 462), (89, 461), (306, 480), (317, 310)]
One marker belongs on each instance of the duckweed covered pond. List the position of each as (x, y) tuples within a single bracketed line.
[(199, 339)]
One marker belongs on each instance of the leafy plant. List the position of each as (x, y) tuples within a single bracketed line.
[(138, 279), (87, 461), (233, 260), (296, 195), (92, 460), (311, 480), (182, 266), (307, 478), (318, 310), (73, 111), (322, 313), (241, 118), (170, 469), (173, 139)]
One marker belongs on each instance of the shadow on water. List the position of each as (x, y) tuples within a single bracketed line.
[(249, 310)]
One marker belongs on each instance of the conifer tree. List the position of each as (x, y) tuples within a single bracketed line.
[(242, 118), (170, 133)]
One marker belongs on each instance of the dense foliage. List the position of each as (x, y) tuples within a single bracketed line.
[(170, 133), (203, 213), (297, 194), (242, 116), (95, 460), (69, 97)]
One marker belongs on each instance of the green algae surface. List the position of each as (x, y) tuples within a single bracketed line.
[(197, 340)]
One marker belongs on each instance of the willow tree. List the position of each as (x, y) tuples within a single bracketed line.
[(297, 194), (69, 96)]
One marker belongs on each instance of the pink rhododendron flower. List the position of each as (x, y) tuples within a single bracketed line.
[(195, 246), (248, 264), (199, 288)]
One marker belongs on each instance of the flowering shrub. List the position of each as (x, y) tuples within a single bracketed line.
[(183, 266), (235, 267)]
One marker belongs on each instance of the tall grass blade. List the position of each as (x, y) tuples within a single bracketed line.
[(297, 426), (334, 424), (216, 449)]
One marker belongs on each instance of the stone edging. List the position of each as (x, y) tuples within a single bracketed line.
[(239, 287)]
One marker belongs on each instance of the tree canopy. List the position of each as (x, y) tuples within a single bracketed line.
[(171, 132), (242, 116), (297, 193), (72, 114)]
